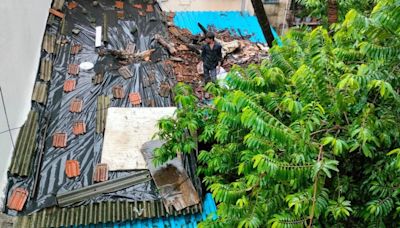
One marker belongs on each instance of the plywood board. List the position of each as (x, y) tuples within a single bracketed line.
[(127, 129)]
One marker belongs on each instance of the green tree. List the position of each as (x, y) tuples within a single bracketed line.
[(307, 138)]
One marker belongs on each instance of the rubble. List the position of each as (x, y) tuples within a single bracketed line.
[(185, 49)]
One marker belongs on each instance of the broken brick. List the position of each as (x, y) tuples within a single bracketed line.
[(119, 4), (69, 85), (118, 92), (72, 5), (100, 173), (75, 49), (138, 6), (79, 128), (72, 168), (60, 140), (17, 199), (135, 98), (73, 69), (76, 105), (149, 8)]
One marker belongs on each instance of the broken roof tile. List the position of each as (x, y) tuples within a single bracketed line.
[(72, 168), (60, 140), (17, 199), (165, 89), (125, 72), (119, 4), (138, 6), (100, 172), (120, 14), (73, 69), (72, 5), (76, 105), (79, 128), (149, 8), (97, 79), (69, 85), (75, 49), (40, 92), (118, 92), (56, 13), (135, 98)]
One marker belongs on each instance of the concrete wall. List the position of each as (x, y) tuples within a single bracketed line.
[(276, 13), (206, 5), (22, 24)]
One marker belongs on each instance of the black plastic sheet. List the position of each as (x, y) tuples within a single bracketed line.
[(87, 148)]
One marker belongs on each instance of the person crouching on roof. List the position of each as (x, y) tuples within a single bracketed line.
[(211, 55)]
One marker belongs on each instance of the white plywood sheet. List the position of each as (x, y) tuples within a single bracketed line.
[(98, 36), (127, 129)]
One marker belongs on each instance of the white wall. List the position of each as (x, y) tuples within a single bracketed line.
[(206, 5), (22, 24)]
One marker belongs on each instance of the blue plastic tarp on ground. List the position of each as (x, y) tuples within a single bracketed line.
[(235, 21)]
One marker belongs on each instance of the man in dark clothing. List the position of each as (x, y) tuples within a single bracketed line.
[(211, 55)]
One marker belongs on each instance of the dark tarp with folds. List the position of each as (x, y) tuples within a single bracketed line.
[(134, 28)]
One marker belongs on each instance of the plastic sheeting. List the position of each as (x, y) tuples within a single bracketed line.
[(87, 148)]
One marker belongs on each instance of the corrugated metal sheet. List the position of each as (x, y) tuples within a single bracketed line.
[(40, 92), (21, 162), (233, 20), (46, 68), (97, 213), (103, 103), (49, 43), (58, 4)]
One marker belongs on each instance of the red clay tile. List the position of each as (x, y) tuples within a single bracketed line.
[(60, 140), (56, 13), (138, 6), (72, 5), (73, 69), (17, 199), (72, 168), (119, 4), (135, 98), (141, 13), (79, 128), (76, 105), (149, 8), (118, 92), (75, 49), (100, 173), (120, 14), (69, 85)]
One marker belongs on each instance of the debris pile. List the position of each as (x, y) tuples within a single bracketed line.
[(185, 49)]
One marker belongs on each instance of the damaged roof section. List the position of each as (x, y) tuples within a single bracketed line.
[(40, 92), (21, 163)]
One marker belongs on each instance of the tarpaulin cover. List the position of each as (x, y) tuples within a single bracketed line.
[(87, 148)]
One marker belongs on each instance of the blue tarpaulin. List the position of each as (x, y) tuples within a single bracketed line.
[(235, 21)]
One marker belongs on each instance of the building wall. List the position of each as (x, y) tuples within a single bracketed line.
[(276, 13), (22, 24), (206, 5)]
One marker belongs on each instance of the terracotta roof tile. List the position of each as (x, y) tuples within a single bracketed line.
[(60, 140), (149, 8), (135, 98), (98, 78), (165, 89), (119, 4), (118, 92), (125, 72), (100, 173), (17, 199), (138, 6), (72, 5), (72, 168), (75, 49), (73, 69), (120, 14), (79, 128), (76, 105), (56, 13), (69, 85)]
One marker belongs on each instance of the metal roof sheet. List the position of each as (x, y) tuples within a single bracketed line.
[(49, 43), (58, 4), (233, 20), (25, 147), (103, 103), (40, 92), (46, 67)]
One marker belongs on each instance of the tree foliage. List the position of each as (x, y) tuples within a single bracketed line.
[(307, 138)]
